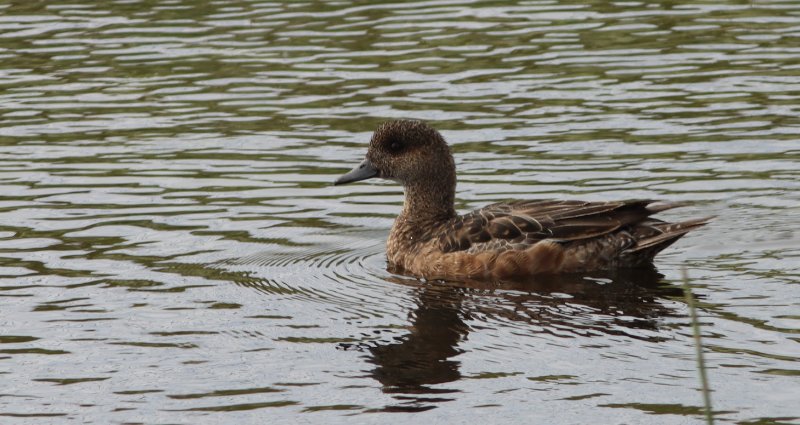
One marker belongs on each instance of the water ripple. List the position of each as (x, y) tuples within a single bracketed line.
[(169, 236)]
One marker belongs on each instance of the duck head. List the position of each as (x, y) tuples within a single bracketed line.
[(409, 152)]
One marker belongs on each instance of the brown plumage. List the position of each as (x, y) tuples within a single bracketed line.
[(502, 241)]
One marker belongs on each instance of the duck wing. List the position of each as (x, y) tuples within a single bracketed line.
[(521, 224)]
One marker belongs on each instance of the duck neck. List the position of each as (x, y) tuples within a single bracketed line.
[(427, 204)]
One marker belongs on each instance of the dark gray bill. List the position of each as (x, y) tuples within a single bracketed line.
[(363, 171)]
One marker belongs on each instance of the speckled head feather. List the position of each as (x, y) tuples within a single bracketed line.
[(411, 152), (415, 155), (504, 241)]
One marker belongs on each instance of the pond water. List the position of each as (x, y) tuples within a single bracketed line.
[(172, 250)]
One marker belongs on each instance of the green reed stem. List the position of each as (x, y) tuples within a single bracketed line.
[(698, 345)]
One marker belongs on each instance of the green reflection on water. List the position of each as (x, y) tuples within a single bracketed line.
[(180, 138)]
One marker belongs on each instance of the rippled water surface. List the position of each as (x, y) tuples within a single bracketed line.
[(172, 251)]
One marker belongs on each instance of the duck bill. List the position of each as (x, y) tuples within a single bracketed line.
[(363, 171)]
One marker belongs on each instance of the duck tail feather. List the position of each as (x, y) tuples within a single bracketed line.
[(670, 232)]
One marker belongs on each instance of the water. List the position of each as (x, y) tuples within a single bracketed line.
[(172, 251)]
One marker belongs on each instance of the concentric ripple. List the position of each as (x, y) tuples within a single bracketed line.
[(349, 275)]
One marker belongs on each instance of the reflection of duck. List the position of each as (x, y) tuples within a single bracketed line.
[(505, 240), (423, 357), (608, 304)]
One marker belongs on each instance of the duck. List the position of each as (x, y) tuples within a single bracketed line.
[(504, 241)]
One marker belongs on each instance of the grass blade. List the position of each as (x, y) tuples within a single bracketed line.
[(698, 345)]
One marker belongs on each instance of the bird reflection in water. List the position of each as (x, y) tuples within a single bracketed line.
[(627, 302)]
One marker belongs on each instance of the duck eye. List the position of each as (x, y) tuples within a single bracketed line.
[(395, 146)]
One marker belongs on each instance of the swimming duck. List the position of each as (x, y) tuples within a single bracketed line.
[(502, 241)]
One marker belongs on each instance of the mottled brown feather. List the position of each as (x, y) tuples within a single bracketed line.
[(532, 221)]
